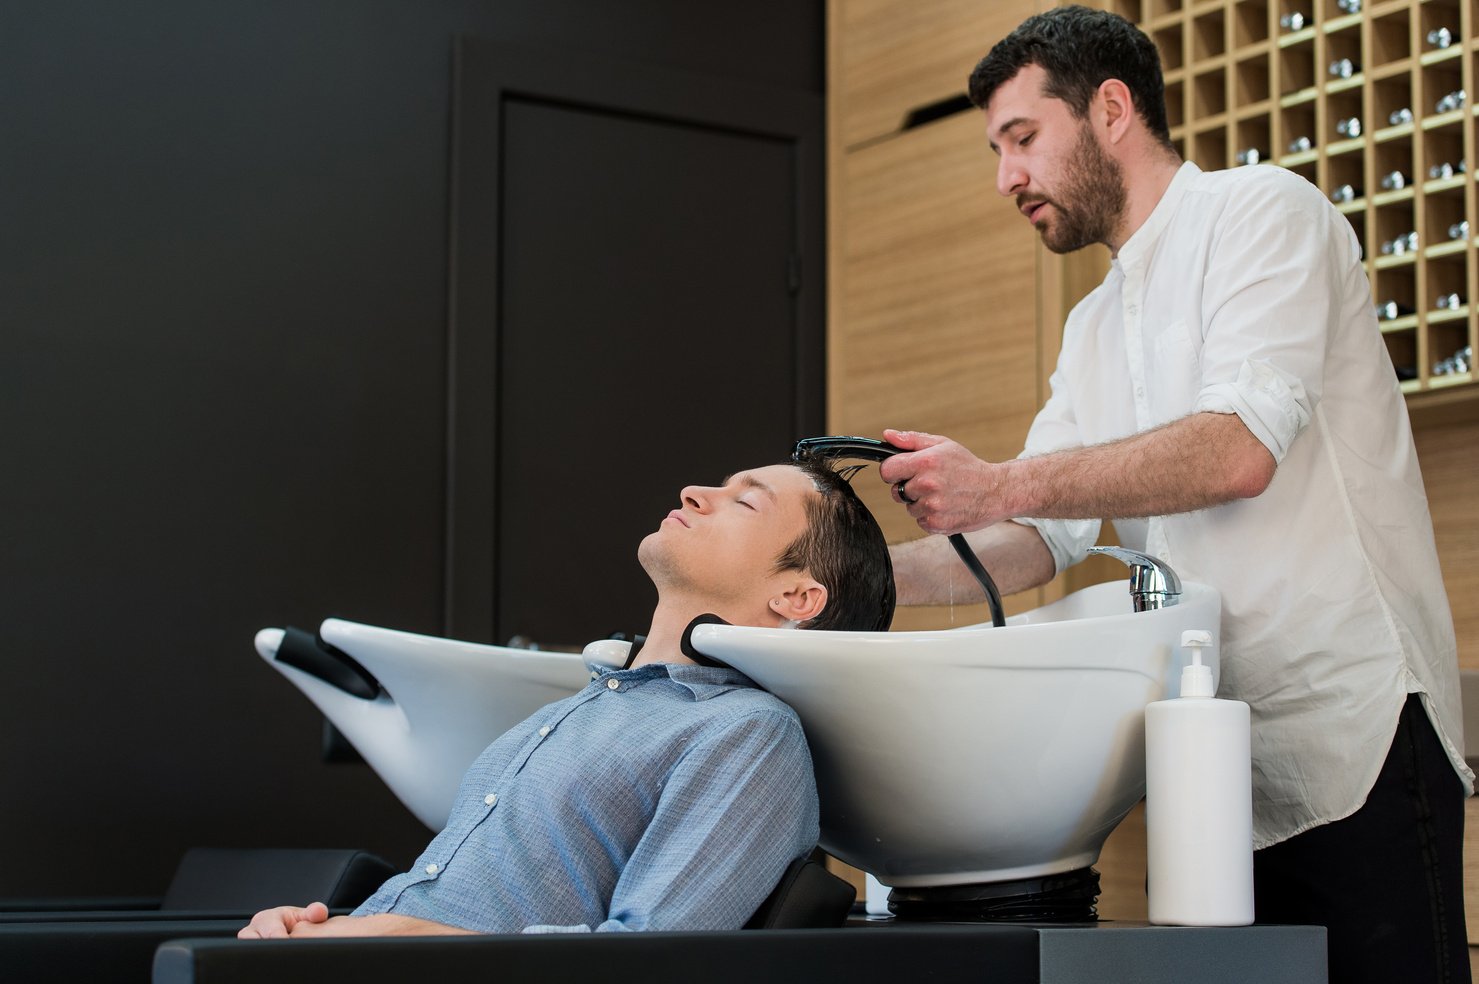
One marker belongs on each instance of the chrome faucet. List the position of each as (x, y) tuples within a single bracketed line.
[(1152, 582)]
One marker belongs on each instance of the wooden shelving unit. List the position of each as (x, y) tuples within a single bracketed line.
[(1246, 76)]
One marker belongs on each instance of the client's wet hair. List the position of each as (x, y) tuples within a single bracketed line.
[(844, 549)]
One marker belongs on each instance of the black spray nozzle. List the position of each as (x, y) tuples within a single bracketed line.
[(870, 449), (832, 448)]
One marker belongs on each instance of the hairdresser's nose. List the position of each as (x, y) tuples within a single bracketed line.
[(1011, 176)]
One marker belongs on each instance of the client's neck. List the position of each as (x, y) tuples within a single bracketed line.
[(670, 620)]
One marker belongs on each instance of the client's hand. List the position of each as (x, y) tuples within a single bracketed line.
[(279, 923)]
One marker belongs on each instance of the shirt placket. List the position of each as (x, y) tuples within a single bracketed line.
[(436, 866), (1131, 312)]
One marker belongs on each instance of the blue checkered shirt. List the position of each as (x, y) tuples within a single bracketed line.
[(669, 796)]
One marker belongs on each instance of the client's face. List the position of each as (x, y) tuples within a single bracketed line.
[(723, 542)]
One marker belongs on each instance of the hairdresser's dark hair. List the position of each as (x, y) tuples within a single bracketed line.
[(1079, 48), (844, 549)]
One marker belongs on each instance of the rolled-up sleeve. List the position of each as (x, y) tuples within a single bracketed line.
[(1277, 276)]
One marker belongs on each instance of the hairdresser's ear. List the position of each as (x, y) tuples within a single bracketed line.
[(1117, 106), (804, 599)]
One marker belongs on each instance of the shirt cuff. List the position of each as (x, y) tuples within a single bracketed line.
[(555, 929), (1271, 403), (609, 926), (1068, 540)]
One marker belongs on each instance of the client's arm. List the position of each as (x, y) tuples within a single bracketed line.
[(737, 809), (313, 920)]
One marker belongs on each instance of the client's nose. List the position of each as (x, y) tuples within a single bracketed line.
[(696, 497)]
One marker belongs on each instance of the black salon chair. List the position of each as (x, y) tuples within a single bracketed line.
[(215, 892), (808, 896)]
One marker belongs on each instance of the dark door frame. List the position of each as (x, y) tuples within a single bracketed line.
[(486, 75)]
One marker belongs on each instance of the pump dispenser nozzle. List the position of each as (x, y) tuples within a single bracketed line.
[(1196, 679)]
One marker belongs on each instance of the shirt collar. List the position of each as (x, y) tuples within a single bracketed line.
[(701, 681), (1142, 241)]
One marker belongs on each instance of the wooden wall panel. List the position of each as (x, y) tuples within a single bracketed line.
[(934, 318), (1450, 462), (891, 57)]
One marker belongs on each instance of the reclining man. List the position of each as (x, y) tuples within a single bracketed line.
[(668, 794)]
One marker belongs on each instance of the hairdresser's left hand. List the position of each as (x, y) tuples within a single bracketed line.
[(952, 490)]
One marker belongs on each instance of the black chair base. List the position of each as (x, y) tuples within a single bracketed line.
[(1069, 897)]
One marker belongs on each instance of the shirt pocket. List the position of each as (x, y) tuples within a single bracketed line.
[(1175, 374)]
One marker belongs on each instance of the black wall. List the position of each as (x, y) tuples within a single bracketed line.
[(223, 345)]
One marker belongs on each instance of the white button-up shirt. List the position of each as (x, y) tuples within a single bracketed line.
[(1243, 293)]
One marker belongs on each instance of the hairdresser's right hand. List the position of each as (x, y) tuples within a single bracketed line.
[(277, 924)]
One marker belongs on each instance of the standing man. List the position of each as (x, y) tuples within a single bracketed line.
[(1225, 397)]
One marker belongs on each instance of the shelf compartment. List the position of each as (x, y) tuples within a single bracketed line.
[(1208, 94), (1390, 96), (1296, 68), (1251, 81), (1299, 121), (1250, 23), (1358, 226), (1402, 348), (1168, 41), (1392, 156), (1399, 286), (1342, 107), (1345, 169), (1175, 103), (1392, 241), (1254, 134), (1391, 38), (1209, 148), (1440, 80), (1209, 35), (1443, 145), (1445, 336), (1447, 281), (1437, 17), (1342, 46)]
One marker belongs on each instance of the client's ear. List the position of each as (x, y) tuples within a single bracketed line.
[(804, 599)]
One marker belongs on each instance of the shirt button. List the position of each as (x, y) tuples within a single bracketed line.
[(544, 731), (595, 674), (491, 798), (612, 684), (432, 869)]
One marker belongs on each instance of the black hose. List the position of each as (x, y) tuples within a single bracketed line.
[(993, 597), (870, 449)]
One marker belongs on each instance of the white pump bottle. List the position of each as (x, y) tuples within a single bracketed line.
[(1198, 803)]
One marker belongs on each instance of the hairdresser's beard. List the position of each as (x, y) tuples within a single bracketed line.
[(1089, 204)]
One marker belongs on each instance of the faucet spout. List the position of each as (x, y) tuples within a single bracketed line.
[(1153, 584)]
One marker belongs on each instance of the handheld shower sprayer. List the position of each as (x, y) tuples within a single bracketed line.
[(868, 449)]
